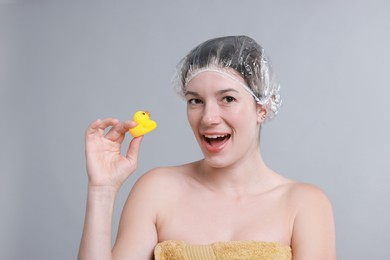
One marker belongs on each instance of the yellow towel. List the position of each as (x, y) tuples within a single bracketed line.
[(235, 250)]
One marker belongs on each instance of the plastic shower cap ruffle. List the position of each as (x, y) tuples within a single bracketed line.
[(240, 53)]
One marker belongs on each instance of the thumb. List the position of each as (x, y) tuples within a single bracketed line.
[(133, 151)]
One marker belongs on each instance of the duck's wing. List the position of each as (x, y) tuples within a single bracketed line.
[(149, 123)]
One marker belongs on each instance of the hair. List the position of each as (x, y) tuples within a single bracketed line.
[(240, 53)]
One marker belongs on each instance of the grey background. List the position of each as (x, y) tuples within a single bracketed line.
[(64, 64)]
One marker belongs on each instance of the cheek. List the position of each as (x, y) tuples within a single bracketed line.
[(244, 121), (192, 118), (242, 114)]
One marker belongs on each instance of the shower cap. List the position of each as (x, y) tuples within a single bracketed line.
[(247, 59)]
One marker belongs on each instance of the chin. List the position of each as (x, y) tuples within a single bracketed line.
[(217, 163)]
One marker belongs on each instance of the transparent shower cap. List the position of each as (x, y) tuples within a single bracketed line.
[(247, 59)]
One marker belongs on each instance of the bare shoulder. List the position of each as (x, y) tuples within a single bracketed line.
[(313, 234), (304, 195), (149, 196), (299, 194), (164, 174), (162, 180)]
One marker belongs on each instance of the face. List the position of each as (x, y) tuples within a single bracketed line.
[(224, 118)]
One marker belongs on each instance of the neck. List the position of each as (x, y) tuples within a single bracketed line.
[(243, 177)]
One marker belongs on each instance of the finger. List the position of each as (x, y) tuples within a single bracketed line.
[(130, 124), (127, 125), (98, 126), (108, 122), (133, 151), (117, 133), (93, 127)]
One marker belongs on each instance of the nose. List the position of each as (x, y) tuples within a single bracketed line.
[(211, 115)]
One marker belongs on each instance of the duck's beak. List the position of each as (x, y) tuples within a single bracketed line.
[(147, 113)]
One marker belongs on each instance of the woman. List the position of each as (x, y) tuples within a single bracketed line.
[(229, 205)]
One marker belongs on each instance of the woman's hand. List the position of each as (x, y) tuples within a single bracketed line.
[(106, 166)]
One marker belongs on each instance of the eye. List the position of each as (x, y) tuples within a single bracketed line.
[(194, 101), (228, 99)]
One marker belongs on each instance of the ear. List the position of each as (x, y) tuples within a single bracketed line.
[(261, 113)]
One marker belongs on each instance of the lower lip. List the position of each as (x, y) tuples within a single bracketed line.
[(215, 148)]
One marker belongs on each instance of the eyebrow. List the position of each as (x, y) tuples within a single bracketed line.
[(223, 91), (191, 93)]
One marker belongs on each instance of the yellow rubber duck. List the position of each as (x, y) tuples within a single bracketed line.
[(144, 124)]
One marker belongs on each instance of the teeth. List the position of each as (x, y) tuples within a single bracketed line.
[(214, 136)]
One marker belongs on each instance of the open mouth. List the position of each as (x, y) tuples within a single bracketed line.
[(215, 140)]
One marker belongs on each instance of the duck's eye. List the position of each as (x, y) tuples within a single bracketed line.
[(143, 113)]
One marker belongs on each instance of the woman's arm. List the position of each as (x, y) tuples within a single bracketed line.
[(107, 170), (96, 238), (137, 233), (314, 229)]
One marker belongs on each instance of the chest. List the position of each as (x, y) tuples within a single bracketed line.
[(205, 219)]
